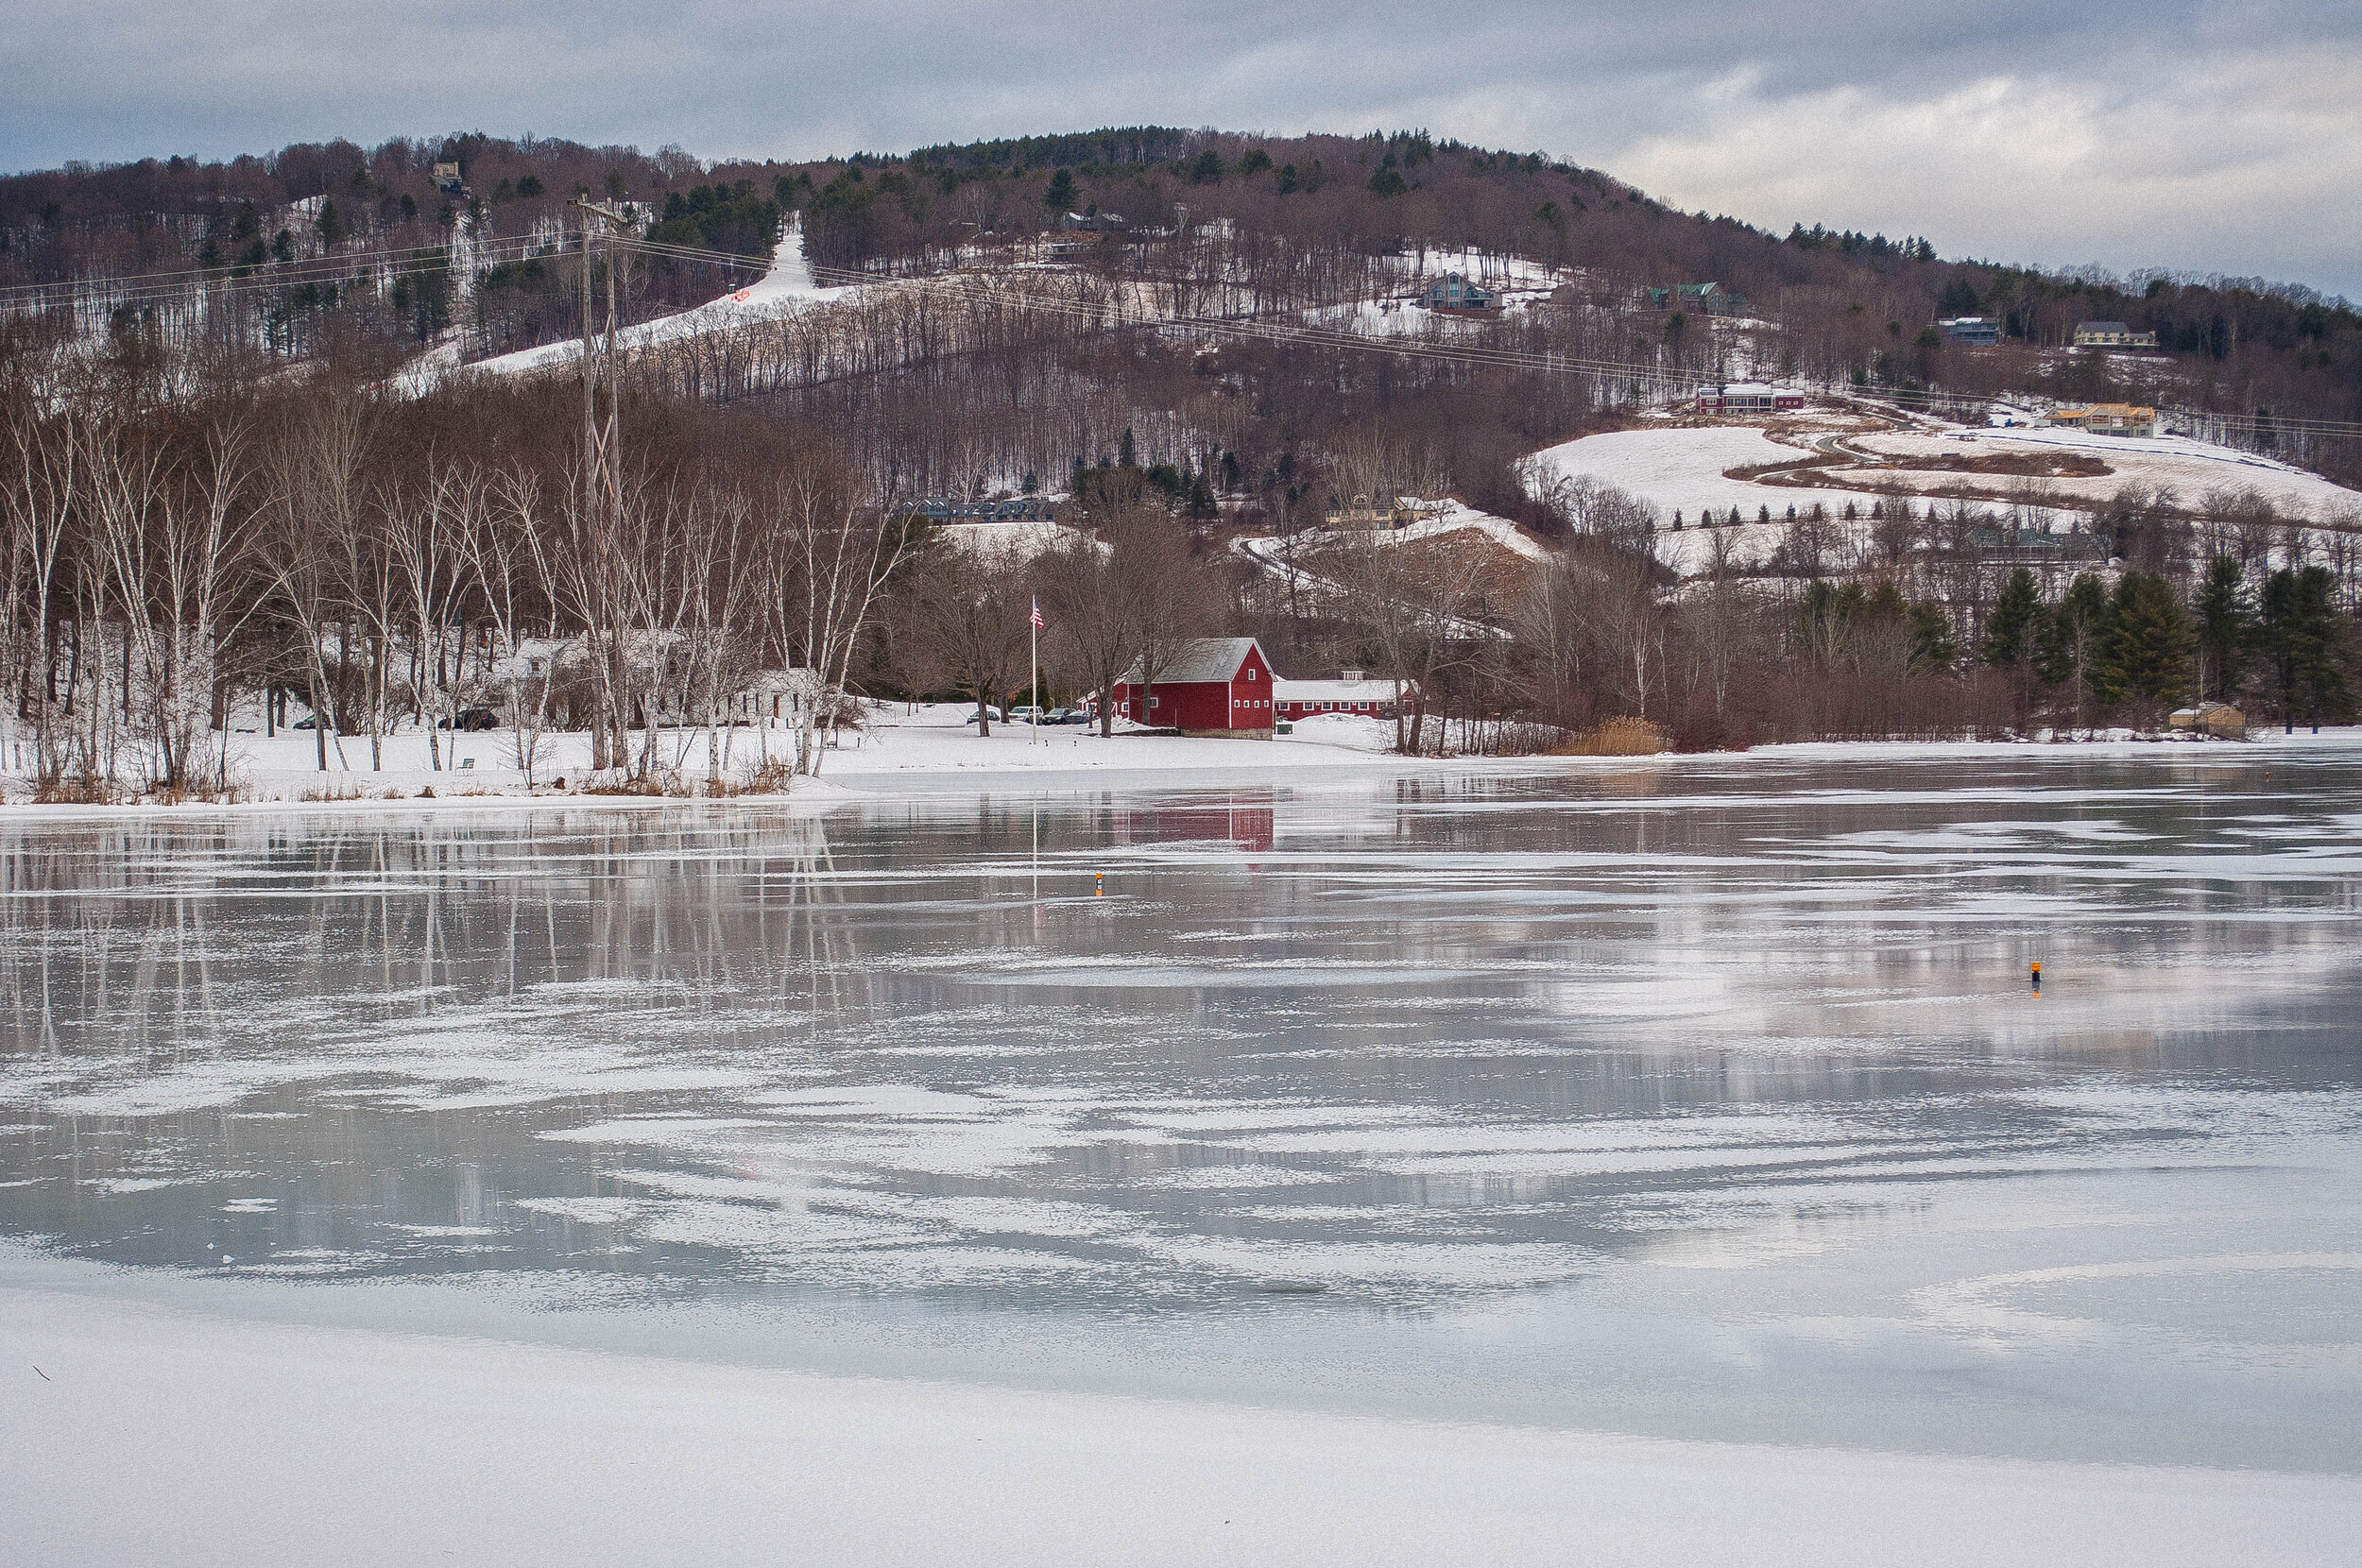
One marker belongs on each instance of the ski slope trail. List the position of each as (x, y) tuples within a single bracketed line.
[(788, 287)]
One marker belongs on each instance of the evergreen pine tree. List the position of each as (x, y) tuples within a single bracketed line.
[(2066, 653), (2300, 631), (2322, 681), (2012, 630), (2226, 627), (2147, 651), (1934, 648)]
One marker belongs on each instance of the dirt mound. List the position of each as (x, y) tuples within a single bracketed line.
[(2025, 464)]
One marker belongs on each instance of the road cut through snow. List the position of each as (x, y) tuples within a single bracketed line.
[(146, 1434)]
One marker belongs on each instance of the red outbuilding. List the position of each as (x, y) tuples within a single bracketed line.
[(1311, 699), (1212, 686)]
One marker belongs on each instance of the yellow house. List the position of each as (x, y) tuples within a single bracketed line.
[(2106, 418), (1364, 512)]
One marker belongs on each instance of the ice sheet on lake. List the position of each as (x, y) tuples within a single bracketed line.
[(1643, 1082)]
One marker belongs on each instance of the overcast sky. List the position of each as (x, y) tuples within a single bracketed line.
[(2221, 137)]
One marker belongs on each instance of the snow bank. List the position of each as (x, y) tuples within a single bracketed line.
[(149, 1434)]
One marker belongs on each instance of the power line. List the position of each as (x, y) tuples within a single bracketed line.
[(148, 288), (1485, 354), (265, 274), (172, 288), (1115, 317)]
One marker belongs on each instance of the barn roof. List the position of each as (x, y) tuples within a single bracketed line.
[(1205, 659)]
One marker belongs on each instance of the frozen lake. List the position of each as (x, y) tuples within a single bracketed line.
[(1701, 1098)]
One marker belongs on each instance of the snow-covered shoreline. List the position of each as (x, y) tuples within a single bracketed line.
[(261, 1441), (902, 748), (934, 755)]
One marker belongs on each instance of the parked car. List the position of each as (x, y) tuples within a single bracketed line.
[(1027, 713), (990, 710), (1062, 716), (472, 719)]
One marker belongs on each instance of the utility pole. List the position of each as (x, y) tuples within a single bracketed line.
[(599, 455), (602, 477)]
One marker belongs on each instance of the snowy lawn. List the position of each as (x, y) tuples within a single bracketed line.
[(936, 739)]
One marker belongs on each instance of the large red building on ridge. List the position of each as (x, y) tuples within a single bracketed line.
[(1212, 686)]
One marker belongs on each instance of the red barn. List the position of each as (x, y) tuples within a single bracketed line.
[(1213, 686)]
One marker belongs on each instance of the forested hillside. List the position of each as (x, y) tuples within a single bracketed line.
[(269, 453), (1306, 215)]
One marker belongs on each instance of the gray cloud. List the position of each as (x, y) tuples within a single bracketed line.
[(2199, 137)]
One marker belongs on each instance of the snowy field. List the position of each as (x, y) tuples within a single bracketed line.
[(2188, 468), (1681, 468), (1667, 1155), (1684, 470)]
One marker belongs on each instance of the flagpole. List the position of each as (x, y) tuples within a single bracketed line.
[(1033, 677)]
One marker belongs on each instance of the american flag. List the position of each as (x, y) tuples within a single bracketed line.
[(1037, 614)]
